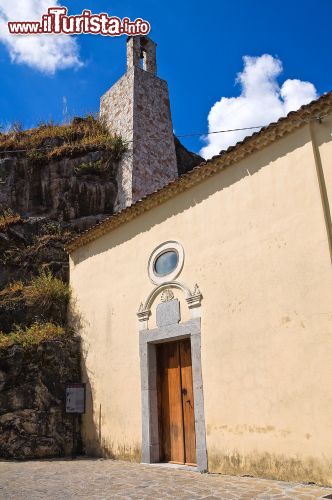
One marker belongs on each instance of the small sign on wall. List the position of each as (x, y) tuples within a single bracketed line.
[(75, 398)]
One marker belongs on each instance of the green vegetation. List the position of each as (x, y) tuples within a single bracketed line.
[(7, 218), (12, 293), (25, 307), (92, 167), (34, 334), (48, 296), (52, 142)]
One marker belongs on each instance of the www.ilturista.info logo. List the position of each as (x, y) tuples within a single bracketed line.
[(57, 21)]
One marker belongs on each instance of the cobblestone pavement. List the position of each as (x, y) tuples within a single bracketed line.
[(104, 479)]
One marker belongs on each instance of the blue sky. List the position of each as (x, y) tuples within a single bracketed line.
[(200, 51)]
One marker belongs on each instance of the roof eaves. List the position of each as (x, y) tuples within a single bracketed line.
[(258, 140)]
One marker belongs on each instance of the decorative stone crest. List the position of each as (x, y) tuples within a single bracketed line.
[(167, 295), (143, 314), (195, 298), (196, 291)]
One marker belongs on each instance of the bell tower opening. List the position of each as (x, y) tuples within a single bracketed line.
[(137, 108), (141, 52)]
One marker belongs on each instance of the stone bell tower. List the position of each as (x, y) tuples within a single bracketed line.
[(137, 108)]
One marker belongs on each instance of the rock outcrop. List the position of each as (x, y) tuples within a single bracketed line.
[(66, 189), (33, 422), (69, 189), (186, 160), (31, 245)]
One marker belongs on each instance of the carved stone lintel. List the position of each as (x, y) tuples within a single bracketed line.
[(193, 300), (168, 313)]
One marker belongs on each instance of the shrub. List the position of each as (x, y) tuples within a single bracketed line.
[(48, 296), (34, 334), (45, 289), (44, 299), (7, 218)]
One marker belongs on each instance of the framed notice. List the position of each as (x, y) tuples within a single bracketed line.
[(75, 398)]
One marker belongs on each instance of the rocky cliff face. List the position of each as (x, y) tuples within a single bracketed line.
[(186, 160), (30, 245), (79, 190), (62, 181), (65, 190), (60, 172), (54, 180), (33, 422)]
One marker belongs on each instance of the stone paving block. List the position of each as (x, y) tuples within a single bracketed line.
[(108, 479)]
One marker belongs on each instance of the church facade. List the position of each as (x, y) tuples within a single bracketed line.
[(205, 308)]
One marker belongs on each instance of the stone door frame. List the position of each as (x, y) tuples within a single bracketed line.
[(147, 342)]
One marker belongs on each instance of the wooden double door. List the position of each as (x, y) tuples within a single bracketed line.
[(176, 403)]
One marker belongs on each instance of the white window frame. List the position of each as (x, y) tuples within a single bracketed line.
[(158, 251)]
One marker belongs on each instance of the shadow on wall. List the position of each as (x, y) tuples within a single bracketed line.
[(94, 443), (231, 175)]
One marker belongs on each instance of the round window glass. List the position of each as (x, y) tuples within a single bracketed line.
[(166, 263)]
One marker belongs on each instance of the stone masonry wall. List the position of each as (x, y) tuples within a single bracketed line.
[(33, 422), (154, 150), (137, 107), (116, 107)]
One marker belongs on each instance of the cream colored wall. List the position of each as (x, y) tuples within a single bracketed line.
[(255, 241), (323, 136)]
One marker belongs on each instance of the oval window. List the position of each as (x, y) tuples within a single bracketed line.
[(166, 263)]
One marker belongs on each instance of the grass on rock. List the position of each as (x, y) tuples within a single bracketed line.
[(50, 142)]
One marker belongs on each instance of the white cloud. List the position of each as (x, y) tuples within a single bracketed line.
[(46, 53), (261, 102)]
